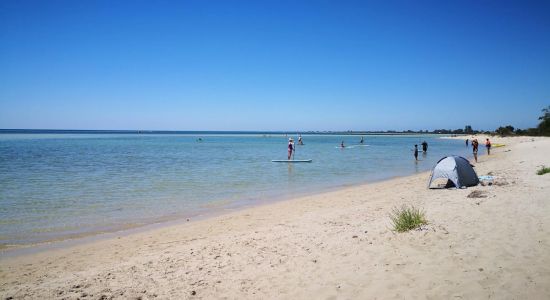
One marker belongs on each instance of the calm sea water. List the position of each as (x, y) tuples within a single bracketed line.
[(56, 186)]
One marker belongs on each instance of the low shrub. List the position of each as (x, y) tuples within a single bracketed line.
[(407, 218), (543, 170)]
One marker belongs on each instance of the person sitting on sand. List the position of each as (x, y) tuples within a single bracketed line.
[(290, 147), (416, 152), (475, 145), (488, 146)]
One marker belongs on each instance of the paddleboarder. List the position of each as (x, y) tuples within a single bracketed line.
[(290, 147)]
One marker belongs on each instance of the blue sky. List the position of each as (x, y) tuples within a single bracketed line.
[(273, 65)]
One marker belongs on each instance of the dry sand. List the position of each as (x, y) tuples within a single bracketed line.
[(336, 245)]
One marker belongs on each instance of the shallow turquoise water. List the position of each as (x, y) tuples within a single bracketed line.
[(54, 186)]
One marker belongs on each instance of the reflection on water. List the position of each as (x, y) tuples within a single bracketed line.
[(290, 166)]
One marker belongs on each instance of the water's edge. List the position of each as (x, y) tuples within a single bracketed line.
[(215, 208), (12, 251)]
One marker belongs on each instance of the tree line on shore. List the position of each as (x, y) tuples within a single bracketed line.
[(542, 129)]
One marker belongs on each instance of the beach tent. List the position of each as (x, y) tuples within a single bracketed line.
[(457, 170)]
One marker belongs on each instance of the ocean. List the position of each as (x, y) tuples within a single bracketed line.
[(56, 186)]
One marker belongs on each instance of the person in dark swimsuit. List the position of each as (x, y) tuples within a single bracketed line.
[(290, 147), (424, 146), (475, 145), (415, 152)]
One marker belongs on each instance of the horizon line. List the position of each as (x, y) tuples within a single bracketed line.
[(37, 130)]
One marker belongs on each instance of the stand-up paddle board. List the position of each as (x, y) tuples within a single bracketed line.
[(350, 147), (293, 160)]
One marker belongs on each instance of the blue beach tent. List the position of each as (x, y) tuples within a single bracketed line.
[(457, 170)]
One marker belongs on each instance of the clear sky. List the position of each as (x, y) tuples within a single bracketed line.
[(273, 65)]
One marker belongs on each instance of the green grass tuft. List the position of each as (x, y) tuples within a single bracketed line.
[(407, 218), (543, 170)]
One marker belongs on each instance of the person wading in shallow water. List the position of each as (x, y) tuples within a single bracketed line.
[(424, 146), (475, 146), (415, 152)]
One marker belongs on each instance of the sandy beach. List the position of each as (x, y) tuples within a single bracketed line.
[(335, 245)]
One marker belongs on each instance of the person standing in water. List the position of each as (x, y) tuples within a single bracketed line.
[(361, 141), (416, 152), (475, 145), (488, 146), (290, 147), (300, 142), (424, 146), (466, 142), (342, 145)]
